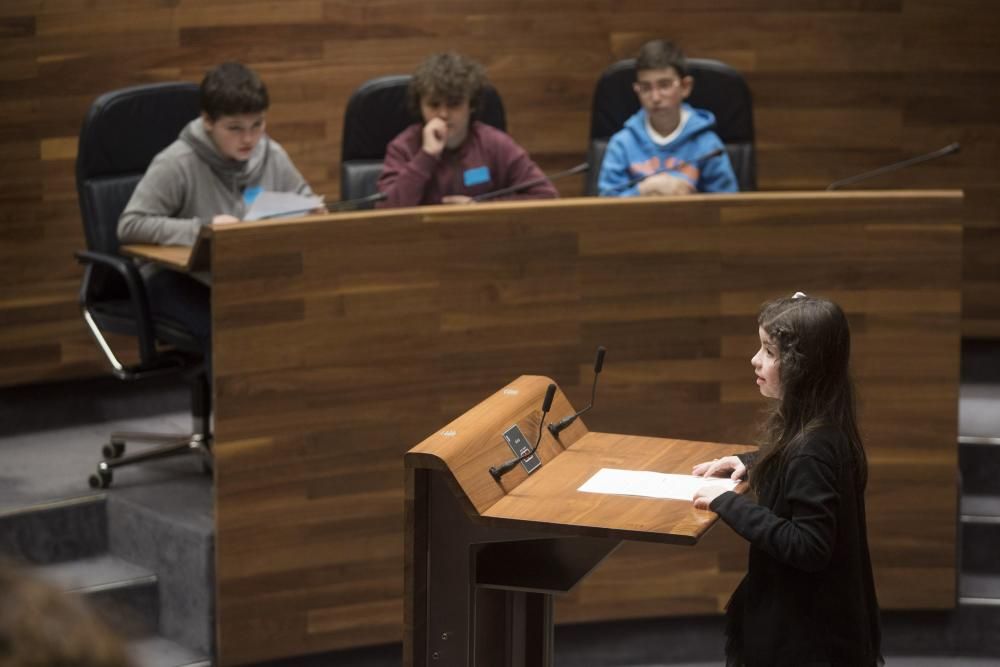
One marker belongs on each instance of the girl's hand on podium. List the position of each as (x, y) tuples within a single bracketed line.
[(727, 466), (704, 496)]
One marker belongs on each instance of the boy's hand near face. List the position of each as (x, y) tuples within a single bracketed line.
[(665, 184), (434, 137)]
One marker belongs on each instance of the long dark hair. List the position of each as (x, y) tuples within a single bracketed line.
[(813, 343)]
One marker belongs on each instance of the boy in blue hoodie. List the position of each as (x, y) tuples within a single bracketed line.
[(667, 140)]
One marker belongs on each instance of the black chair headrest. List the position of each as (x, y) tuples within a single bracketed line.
[(378, 111), (717, 87), (125, 129), (121, 134)]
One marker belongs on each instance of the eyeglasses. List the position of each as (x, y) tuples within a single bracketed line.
[(662, 85)]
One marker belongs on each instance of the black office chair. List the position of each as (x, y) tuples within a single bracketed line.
[(123, 131), (376, 113), (717, 87)]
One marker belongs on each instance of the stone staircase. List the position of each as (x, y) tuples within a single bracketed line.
[(979, 504), (979, 582), (126, 562)]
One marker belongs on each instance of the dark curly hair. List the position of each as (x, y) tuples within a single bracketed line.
[(448, 77), (231, 89), (813, 340)]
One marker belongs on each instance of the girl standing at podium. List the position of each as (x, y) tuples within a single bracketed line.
[(809, 596)]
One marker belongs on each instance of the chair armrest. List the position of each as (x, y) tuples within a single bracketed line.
[(136, 291)]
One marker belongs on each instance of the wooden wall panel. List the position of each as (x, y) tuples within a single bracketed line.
[(840, 86), (342, 342)]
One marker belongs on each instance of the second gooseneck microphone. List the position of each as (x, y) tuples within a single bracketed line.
[(559, 426), (896, 166), (519, 187), (352, 204), (498, 472)]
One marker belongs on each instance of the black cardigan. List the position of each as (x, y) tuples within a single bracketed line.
[(808, 597)]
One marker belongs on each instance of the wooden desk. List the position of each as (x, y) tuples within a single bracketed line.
[(175, 257), (187, 259), (341, 340)]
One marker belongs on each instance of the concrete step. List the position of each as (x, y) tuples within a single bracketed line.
[(122, 593), (160, 652), (980, 534), (55, 532), (979, 590), (980, 361), (981, 508), (168, 528), (979, 462)]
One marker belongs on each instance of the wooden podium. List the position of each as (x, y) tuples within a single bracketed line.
[(484, 558)]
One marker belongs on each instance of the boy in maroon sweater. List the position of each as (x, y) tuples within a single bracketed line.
[(451, 158)]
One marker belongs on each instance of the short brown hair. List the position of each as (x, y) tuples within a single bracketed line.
[(448, 77), (661, 54), (231, 89)]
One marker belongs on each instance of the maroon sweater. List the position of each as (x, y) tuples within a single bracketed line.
[(487, 160)]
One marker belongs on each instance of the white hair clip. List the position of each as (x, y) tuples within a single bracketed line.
[(799, 295)]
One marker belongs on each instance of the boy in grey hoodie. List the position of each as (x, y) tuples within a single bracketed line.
[(220, 161)]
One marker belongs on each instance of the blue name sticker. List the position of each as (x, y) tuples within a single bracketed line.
[(476, 176), (251, 193)]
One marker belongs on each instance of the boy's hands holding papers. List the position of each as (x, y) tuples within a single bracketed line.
[(267, 205)]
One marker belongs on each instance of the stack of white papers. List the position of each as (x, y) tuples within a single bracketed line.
[(281, 204), (651, 484)]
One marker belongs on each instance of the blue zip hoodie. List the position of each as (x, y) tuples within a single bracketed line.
[(631, 154)]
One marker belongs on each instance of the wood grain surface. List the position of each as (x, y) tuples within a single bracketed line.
[(548, 499), (839, 86), (343, 341)]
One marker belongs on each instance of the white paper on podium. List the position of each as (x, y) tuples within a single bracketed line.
[(650, 484), (270, 204)]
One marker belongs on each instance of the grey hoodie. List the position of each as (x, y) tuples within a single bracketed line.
[(190, 182)]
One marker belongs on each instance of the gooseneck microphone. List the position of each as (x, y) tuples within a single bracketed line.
[(941, 152), (351, 204), (519, 187), (714, 153), (559, 426), (498, 472)]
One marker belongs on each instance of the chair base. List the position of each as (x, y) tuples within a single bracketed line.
[(172, 445)]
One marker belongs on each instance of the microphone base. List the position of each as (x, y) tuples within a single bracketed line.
[(563, 424)]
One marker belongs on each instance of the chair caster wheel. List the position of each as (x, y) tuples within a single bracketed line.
[(101, 479), (114, 450)]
